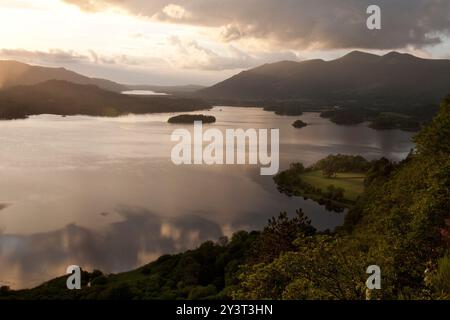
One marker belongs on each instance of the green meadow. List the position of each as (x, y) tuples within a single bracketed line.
[(352, 183)]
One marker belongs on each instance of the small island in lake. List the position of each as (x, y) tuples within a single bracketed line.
[(299, 124), (191, 118)]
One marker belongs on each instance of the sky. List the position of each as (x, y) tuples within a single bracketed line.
[(176, 42)]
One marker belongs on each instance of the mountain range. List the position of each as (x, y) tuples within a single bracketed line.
[(356, 77), (363, 84)]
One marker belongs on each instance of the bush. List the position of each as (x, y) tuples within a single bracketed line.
[(201, 292)]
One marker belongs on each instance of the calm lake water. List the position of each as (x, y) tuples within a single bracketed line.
[(144, 93), (103, 192)]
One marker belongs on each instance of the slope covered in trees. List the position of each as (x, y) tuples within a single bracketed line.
[(400, 224), (66, 98)]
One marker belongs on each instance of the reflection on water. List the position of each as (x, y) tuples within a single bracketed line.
[(103, 192), (136, 240)]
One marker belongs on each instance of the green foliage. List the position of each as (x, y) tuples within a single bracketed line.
[(278, 236), (398, 224), (391, 120), (347, 116), (433, 140), (120, 291), (334, 193), (342, 163), (202, 292), (379, 169), (4, 290), (285, 109), (328, 191), (383, 117), (439, 279), (322, 267)]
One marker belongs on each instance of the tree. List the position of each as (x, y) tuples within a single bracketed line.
[(329, 171), (4, 290), (439, 279), (322, 267), (278, 236), (334, 193)]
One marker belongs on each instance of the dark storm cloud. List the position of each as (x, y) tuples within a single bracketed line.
[(324, 23)]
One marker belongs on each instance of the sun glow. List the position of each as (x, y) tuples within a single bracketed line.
[(120, 43), (113, 40), (51, 23)]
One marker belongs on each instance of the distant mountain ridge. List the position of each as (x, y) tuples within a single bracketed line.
[(14, 73), (358, 76)]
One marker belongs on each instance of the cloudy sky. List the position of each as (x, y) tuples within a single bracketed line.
[(204, 41)]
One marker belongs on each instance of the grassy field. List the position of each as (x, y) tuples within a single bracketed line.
[(352, 183)]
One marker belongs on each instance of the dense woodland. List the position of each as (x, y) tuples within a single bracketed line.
[(400, 223)]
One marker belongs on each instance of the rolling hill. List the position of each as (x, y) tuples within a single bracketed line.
[(14, 73), (66, 98)]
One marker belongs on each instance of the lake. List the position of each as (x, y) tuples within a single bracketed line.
[(103, 193), (144, 93)]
